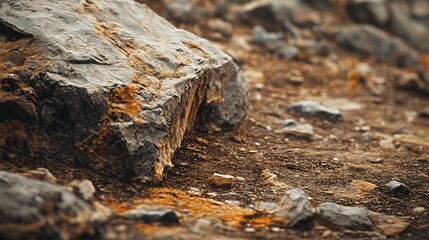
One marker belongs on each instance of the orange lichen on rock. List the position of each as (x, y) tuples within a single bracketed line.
[(124, 102), (196, 207), (192, 208)]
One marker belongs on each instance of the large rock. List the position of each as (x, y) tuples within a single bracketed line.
[(109, 84), (338, 216), (32, 209), (370, 40), (408, 19)]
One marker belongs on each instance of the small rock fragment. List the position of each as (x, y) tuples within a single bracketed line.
[(288, 51), (152, 214), (232, 202), (307, 108), (222, 180), (339, 216), (294, 207), (419, 210), (298, 130), (41, 174), (366, 137), (267, 207), (271, 41), (387, 143), (82, 188), (193, 191), (201, 225), (396, 187), (295, 77)]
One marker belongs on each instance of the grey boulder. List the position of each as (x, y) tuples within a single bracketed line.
[(338, 216), (109, 84), (370, 40), (32, 209)]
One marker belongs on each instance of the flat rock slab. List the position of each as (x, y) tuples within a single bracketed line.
[(338, 216), (32, 209), (109, 84), (308, 108)]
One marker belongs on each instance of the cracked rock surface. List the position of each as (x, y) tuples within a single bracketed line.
[(32, 209), (109, 84)]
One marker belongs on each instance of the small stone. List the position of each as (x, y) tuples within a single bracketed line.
[(151, 214), (387, 144), (195, 192), (275, 229), (212, 194), (298, 130), (241, 179), (201, 225), (396, 187), (233, 203), (266, 207), (271, 41), (219, 26), (249, 230), (366, 137), (376, 161), (339, 216), (289, 123), (221, 180), (288, 51), (307, 108), (295, 77), (82, 188), (41, 174), (419, 210), (294, 207), (326, 234)]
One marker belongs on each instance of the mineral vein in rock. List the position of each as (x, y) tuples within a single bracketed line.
[(109, 83)]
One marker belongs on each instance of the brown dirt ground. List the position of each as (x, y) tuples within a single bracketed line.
[(325, 168)]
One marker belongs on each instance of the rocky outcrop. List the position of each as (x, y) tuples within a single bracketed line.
[(109, 84), (408, 19), (32, 209)]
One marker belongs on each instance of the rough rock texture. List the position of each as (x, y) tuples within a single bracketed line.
[(338, 216), (308, 108), (108, 84), (408, 19), (32, 209), (373, 41), (294, 207)]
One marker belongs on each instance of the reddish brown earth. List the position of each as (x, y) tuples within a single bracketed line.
[(325, 168)]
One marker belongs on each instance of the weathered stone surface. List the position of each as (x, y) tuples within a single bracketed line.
[(308, 108), (298, 130), (109, 84), (41, 174), (396, 187), (373, 41), (32, 209), (339, 216), (408, 19), (82, 188), (294, 207), (221, 179), (153, 214)]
